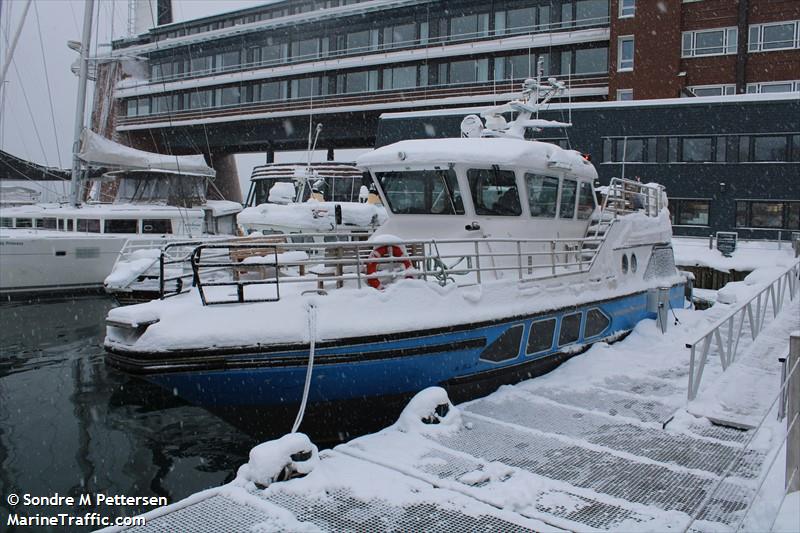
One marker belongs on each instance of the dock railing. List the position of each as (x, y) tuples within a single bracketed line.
[(356, 264), (727, 331), (790, 379)]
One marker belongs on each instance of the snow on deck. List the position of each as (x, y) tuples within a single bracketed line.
[(604, 442), (748, 256)]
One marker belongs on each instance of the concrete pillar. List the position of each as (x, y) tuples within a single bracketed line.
[(330, 154), (227, 180), (793, 410)]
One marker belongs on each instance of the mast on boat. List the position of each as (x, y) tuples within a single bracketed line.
[(80, 106)]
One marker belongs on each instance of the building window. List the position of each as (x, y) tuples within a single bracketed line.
[(358, 82), (774, 87), (591, 61), (362, 40), (768, 214), (402, 35), (520, 20), (623, 95), (469, 71), (770, 148), (469, 26), (627, 8), (628, 150), (696, 149), (719, 41), (625, 53), (520, 66), (713, 90), (774, 36), (591, 11), (689, 211), (399, 77)]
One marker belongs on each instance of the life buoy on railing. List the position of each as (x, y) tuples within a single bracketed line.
[(380, 252)]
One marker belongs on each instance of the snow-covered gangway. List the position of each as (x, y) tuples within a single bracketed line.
[(605, 442)]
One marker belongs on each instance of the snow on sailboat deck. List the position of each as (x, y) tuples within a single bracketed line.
[(605, 442)]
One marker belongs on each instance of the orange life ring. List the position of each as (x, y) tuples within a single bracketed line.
[(390, 250)]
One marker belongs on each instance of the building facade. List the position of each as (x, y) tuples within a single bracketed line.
[(248, 81)]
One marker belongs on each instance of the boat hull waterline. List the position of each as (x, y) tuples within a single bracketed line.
[(395, 364)]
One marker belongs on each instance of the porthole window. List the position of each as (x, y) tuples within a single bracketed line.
[(634, 263), (504, 347), (624, 263)]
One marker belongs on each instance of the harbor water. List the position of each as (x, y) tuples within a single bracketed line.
[(72, 425)]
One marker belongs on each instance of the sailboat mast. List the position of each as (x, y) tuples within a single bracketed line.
[(80, 106)]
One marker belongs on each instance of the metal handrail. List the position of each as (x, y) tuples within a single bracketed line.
[(736, 458), (556, 257), (754, 310)]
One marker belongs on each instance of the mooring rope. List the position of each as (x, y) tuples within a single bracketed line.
[(312, 336)]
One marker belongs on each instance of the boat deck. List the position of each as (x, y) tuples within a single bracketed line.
[(605, 442)]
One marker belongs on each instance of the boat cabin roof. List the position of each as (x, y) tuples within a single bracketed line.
[(481, 152)]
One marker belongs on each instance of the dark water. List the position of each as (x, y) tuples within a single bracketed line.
[(72, 425)]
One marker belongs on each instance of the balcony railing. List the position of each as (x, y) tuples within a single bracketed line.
[(428, 42), (433, 92)]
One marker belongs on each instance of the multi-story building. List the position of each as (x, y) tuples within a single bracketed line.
[(248, 80)]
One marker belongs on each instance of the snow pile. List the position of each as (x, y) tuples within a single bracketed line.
[(749, 255), (429, 410), (311, 216), (290, 456), (282, 193), (125, 272)]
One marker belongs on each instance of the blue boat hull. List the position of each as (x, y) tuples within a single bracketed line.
[(468, 360)]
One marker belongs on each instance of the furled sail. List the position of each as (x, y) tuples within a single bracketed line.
[(96, 150)]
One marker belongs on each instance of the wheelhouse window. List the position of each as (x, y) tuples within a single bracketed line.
[(494, 192), (542, 195), (569, 190), (89, 225), (586, 201), (689, 211), (47, 223), (159, 225), (540, 338), (23, 223), (422, 192), (121, 226)]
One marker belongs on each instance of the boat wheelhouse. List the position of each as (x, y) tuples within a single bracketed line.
[(329, 197), (495, 265)]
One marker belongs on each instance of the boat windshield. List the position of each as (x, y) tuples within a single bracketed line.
[(422, 192), (159, 188), (259, 189), (334, 188)]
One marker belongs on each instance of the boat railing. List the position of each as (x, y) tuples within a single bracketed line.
[(630, 196), (259, 271)]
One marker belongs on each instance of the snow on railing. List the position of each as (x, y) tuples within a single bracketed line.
[(629, 196), (361, 264), (754, 311)]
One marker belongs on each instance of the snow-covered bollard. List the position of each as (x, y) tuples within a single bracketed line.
[(293, 455), (430, 409)]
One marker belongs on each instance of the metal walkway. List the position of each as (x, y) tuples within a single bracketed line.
[(614, 450)]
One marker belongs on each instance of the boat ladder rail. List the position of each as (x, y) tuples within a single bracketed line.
[(471, 261)]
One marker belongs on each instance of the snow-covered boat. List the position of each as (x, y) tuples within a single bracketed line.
[(308, 202), (495, 264), (48, 248), (309, 198)]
